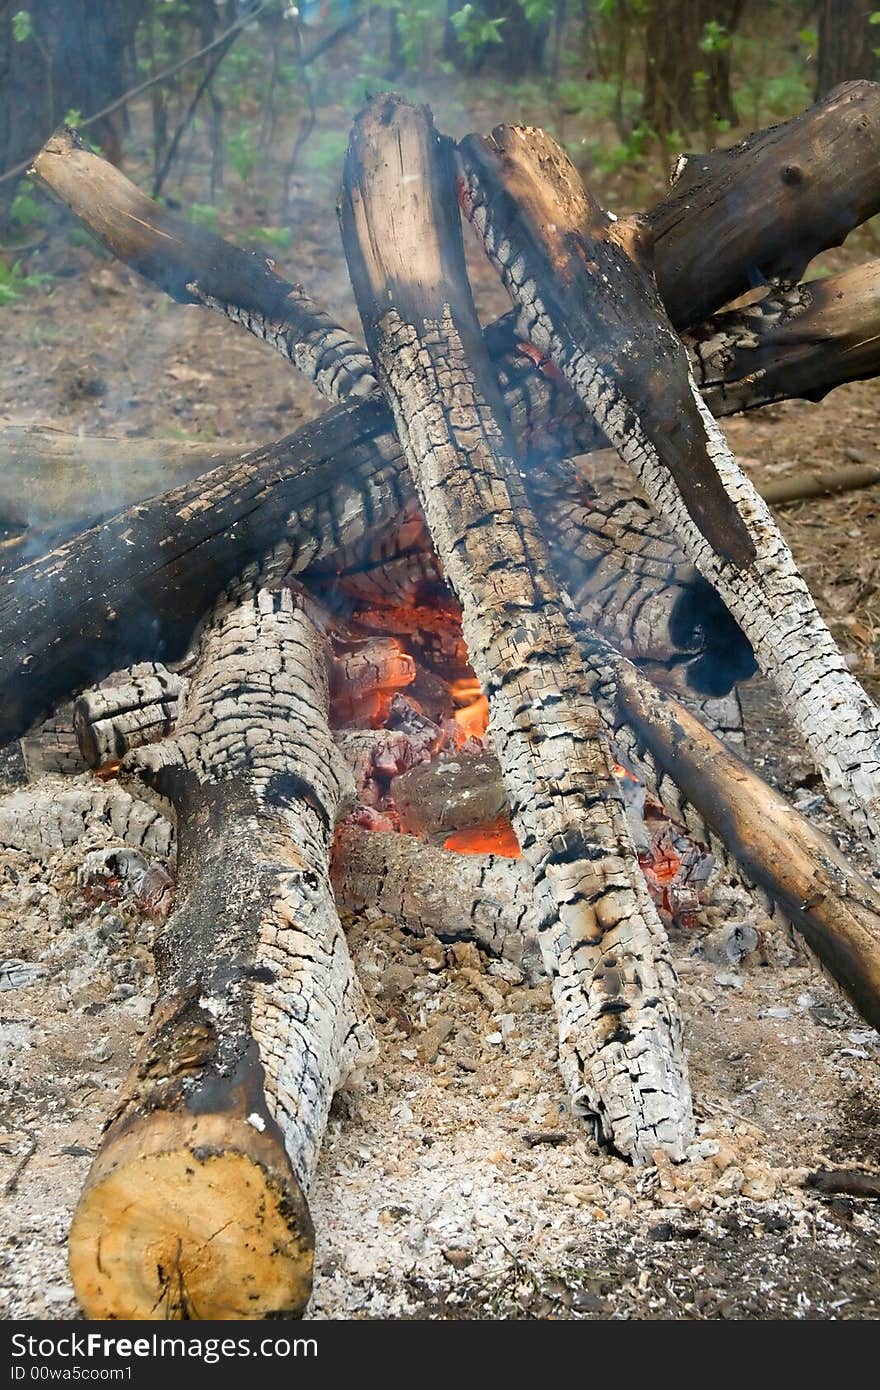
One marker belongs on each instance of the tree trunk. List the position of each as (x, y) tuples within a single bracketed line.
[(75, 57), (195, 1203), (847, 43), (687, 64), (614, 985)]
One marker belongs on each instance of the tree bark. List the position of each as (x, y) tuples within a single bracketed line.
[(763, 209), (614, 986), (621, 356), (195, 1204), (847, 43), (76, 56)]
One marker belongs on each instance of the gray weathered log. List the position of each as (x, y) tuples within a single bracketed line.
[(126, 711), (482, 898), (613, 981), (259, 1017)]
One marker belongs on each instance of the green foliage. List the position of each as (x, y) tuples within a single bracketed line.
[(538, 11), (275, 236), (22, 27), (26, 211), (714, 38), (241, 146), (13, 281), (204, 215), (473, 30)]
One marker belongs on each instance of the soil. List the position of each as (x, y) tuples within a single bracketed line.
[(456, 1185)]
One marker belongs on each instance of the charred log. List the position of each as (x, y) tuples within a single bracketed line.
[(621, 356), (763, 209), (798, 341), (194, 266), (195, 1204), (460, 897), (620, 1041)]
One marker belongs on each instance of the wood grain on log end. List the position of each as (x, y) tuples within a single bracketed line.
[(192, 1217)]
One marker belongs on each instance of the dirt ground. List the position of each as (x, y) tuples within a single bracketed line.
[(454, 1183)]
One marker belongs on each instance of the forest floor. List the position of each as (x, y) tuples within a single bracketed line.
[(455, 1183)]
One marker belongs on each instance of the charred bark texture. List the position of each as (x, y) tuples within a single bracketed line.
[(195, 1204), (800, 341), (763, 209), (194, 266), (620, 354), (614, 986)]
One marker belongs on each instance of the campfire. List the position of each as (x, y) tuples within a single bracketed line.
[(428, 657)]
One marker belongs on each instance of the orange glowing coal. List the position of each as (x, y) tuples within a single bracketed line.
[(495, 838), (472, 715)]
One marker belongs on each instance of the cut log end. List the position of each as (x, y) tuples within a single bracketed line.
[(192, 1217)]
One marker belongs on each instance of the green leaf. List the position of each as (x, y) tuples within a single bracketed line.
[(21, 26)]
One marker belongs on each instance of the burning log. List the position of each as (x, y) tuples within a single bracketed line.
[(558, 253), (766, 207), (482, 898), (134, 589), (194, 266), (799, 340), (620, 1039), (195, 1204), (133, 708), (96, 607)]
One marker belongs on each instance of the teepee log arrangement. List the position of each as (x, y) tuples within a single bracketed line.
[(431, 610)]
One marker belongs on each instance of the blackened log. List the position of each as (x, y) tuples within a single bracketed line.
[(763, 209), (195, 1205), (589, 300), (613, 981), (194, 266), (134, 588), (797, 341)]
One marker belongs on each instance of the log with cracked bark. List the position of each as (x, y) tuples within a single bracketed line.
[(798, 340), (482, 898), (849, 190), (613, 981), (134, 588), (587, 297), (196, 267), (195, 1204), (127, 710)]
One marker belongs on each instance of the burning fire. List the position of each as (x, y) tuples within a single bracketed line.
[(472, 714)]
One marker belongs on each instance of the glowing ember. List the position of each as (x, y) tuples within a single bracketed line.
[(472, 715), (496, 838)]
